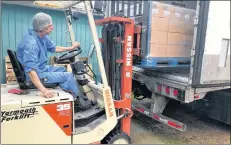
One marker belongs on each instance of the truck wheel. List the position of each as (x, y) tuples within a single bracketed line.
[(118, 137)]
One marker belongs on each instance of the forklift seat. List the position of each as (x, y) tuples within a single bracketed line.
[(20, 75)]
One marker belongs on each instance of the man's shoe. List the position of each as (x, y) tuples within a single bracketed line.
[(81, 104)]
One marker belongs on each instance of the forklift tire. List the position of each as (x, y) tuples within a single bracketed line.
[(118, 137)]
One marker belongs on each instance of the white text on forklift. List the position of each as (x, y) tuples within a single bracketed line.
[(129, 51)]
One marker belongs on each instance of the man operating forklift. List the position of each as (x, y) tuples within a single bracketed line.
[(32, 54)]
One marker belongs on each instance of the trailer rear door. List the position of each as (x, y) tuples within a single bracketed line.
[(212, 50)]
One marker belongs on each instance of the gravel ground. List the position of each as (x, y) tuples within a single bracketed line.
[(141, 135), (200, 130)]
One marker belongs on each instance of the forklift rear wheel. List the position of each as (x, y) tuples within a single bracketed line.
[(118, 137)]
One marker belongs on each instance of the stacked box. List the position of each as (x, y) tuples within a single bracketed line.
[(10, 75), (171, 31)]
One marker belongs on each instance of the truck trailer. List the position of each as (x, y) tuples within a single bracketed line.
[(192, 79)]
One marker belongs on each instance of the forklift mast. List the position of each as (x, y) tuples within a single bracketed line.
[(118, 49)]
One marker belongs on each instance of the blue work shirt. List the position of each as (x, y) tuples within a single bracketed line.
[(32, 52)]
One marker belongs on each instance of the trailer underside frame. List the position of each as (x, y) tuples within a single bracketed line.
[(164, 86)]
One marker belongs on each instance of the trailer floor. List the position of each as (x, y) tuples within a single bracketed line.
[(200, 129), (174, 74)]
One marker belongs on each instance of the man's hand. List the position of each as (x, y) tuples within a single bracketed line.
[(36, 81), (77, 44), (47, 93)]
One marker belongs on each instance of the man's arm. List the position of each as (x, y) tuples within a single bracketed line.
[(63, 49), (31, 62), (53, 48), (36, 81)]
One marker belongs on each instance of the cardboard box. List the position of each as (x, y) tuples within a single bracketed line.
[(188, 27), (187, 50), (159, 37), (157, 50), (167, 11), (176, 38), (189, 15), (172, 30), (176, 26), (178, 14), (178, 51), (160, 24), (157, 9), (188, 40)]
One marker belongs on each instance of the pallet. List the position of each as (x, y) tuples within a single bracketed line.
[(10, 76), (10, 73), (11, 82), (8, 63), (164, 62)]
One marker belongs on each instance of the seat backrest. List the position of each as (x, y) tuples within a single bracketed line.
[(17, 67)]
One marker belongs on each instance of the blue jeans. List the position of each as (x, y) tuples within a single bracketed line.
[(60, 75)]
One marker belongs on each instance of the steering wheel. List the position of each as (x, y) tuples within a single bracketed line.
[(69, 55)]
